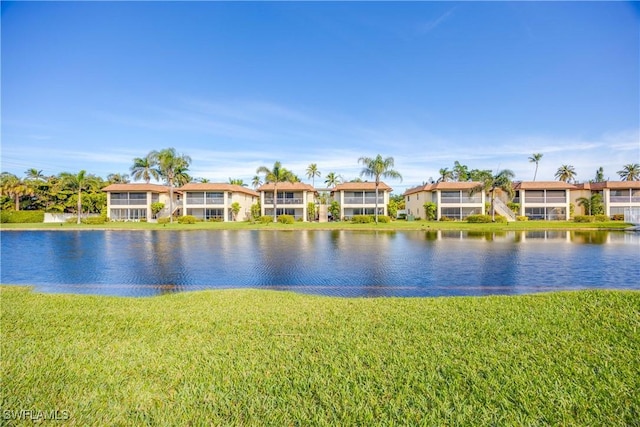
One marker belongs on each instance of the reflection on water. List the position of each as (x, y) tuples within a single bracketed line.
[(345, 263)]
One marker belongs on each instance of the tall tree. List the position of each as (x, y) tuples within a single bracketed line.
[(312, 172), (460, 172), (566, 173), (535, 158), (445, 175), (501, 180), (480, 175), (256, 181), (275, 176), (378, 167), (172, 167), (14, 188), (331, 180), (118, 178), (78, 182), (145, 168), (599, 175), (630, 172), (237, 181), (34, 174)]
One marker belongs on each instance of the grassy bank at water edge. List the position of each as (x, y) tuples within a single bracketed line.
[(249, 357), (340, 225)]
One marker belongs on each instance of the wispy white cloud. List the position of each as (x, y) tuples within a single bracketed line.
[(431, 25)]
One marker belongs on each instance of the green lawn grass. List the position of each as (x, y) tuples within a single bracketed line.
[(249, 357), (342, 225)]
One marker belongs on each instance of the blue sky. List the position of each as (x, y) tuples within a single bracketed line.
[(91, 85)]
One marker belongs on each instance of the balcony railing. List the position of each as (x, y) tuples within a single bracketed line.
[(547, 200), (283, 201), (129, 202), (362, 200), (201, 201), (624, 199), (458, 200)]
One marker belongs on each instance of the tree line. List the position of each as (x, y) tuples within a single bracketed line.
[(81, 192)]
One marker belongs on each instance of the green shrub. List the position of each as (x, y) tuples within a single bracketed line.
[(156, 207), (164, 220), (583, 218), (265, 219), (515, 207), (21, 216), (187, 219), (71, 220), (384, 218), (617, 217), (479, 218), (93, 220), (446, 219), (142, 220), (286, 219), (216, 220), (430, 210), (299, 219), (362, 219), (522, 218), (602, 218), (255, 212), (500, 219)]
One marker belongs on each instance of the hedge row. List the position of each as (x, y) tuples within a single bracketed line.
[(21, 217)]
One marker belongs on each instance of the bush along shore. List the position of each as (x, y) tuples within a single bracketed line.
[(249, 357), (286, 222)]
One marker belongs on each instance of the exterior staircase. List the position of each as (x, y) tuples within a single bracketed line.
[(501, 208)]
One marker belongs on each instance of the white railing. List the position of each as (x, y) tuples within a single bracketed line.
[(283, 201), (502, 209), (362, 201), (201, 201), (632, 216), (128, 202)]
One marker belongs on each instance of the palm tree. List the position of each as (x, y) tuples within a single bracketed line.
[(275, 176), (118, 178), (237, 181), (535, 158), (376, 168), (460, 172), (14, 188), (592, 205), (501, 180), (172, 166), (445, 175), (34, 174), (332, 179), (145, 168), (566, 173), (630, 172), (599, 175), (256, 182), (312, 172), (78, 182)]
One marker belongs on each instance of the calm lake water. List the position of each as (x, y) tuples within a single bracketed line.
[(339, 263)]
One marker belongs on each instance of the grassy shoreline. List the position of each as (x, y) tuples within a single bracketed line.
[(394, 226), (248, 357)]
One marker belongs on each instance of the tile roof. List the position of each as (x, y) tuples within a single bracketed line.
[(157, 188), (349, 186), (621, 185), (544, 185), (282, 186), (453, 185), (212, 186)]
